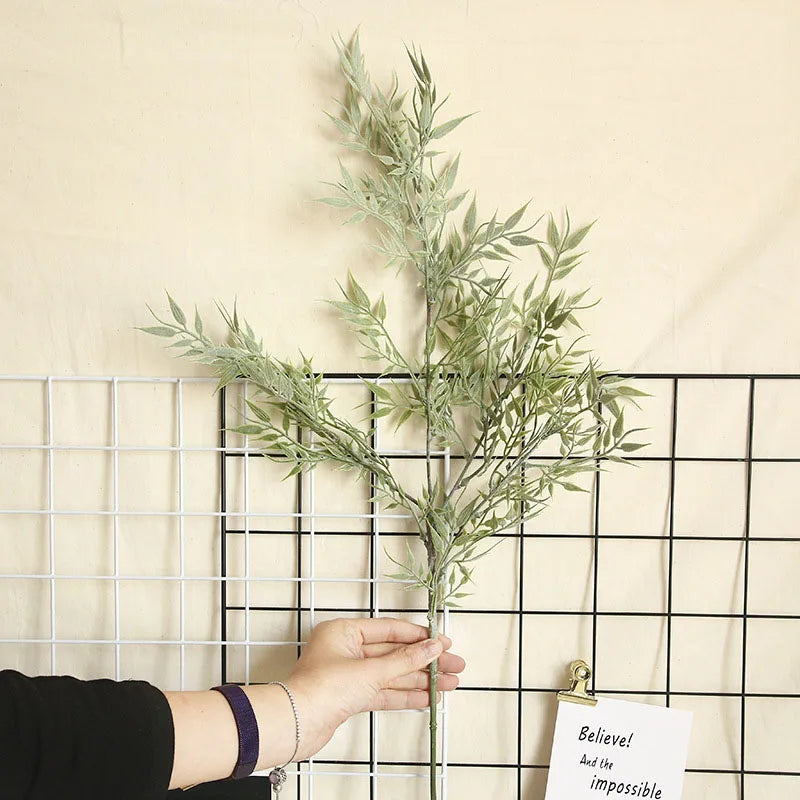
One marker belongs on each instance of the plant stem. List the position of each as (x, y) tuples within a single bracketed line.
[(433, 723)]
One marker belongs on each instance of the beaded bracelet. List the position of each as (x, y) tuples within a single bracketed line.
[(277, 777)]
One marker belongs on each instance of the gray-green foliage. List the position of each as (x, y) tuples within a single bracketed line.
[(500, 373)]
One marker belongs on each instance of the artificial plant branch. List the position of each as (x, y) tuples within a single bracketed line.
[(498, 374)]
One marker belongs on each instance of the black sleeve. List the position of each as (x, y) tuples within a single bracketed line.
[(89, 740)]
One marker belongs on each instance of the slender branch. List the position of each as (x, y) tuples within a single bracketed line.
[(499, 362)]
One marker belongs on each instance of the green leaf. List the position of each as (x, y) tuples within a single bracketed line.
[(179, 316), (469, 219), (559, 319), (377, 390), (447, 127), (576, 238), (570, 260), (425, 66), (336, 202), (415, 64), (553, 239), (450, 174), (515, 217), (619, 425), (158, 330), (248, 430), (227, 374), (523, 241), (629, 391), (545, 256), (198, 323), (456, 201), (630, 447), (500, 249), (403, 418), (295, 470), (380, 310), (359, 295), (526, 295)]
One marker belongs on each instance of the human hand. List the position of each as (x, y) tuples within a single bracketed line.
[(355, 665)]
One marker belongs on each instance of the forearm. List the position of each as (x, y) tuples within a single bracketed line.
[(62, 737), (67, 738), (206, 738)]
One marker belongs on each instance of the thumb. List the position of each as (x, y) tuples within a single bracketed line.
[(407, 659)]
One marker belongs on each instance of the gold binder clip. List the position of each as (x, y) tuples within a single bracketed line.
[(579, 674)]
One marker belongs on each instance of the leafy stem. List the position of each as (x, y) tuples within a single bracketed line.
[(503, 379)]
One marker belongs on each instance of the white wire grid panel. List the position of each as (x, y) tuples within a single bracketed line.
[(113, 536), (127, 550)]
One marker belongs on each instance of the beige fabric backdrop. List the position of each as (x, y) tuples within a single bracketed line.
[(149, 145), (152, 145)]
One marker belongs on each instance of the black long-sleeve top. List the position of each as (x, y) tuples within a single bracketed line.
[(93, 740)]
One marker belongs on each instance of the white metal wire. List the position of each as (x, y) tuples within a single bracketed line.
[(115, 436), (375, 570), (246, 505), (312, 507), (187, 578), (51, 526), (445, 627), (181, 531), (308, 518)]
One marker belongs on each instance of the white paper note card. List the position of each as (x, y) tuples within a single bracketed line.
[(617, 749)]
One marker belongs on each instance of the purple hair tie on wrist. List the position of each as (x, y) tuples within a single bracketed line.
[(246, 726)]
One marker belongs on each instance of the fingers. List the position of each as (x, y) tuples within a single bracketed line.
[(382, 635), (398, 700), (382, 648), (403, 660), (420, 679), (448, 662), (389, 629)]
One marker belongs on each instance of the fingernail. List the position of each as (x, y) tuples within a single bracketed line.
[(433, 647)]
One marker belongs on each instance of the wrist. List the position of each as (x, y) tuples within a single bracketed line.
[(276, 725)]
